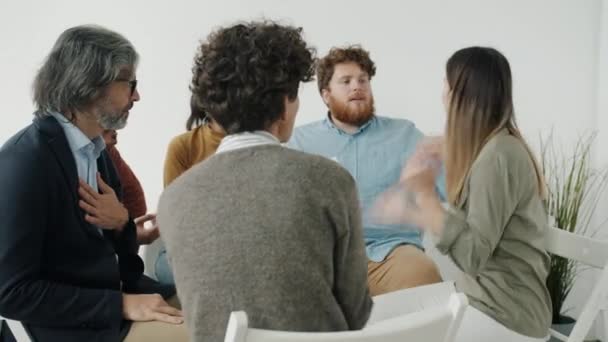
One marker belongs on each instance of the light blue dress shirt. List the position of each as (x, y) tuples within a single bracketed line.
[(85, 151), (374, 155)]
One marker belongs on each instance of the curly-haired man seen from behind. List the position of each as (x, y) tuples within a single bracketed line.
[(259, 227)]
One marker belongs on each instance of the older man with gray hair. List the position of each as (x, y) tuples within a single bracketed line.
[(69, 270)]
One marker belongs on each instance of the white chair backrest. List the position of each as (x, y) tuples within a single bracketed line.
[(401, 302), (436, 324), (577, 247), (592, 253), (17, 329)]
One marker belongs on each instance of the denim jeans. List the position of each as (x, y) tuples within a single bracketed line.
[(162, 270)]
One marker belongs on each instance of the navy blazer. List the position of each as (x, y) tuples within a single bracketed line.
[(58, 275)]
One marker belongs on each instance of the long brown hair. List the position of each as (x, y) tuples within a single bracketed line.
[(197, 115), (480, 105)]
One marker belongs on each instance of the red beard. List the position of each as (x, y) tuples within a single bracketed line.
[(355, 114)]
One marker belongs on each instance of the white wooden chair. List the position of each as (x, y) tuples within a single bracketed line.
[(17, 329), (436, 324), (593, 253), (401, 302)]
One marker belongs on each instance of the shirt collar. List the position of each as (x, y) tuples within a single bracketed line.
[(246, 139), (329, 123), (77, 140)]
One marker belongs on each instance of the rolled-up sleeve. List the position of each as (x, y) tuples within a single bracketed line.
[(470, 234)]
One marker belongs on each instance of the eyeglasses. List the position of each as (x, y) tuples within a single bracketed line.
[(132, 84)]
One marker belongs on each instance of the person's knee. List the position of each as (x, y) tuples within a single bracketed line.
[(430, 272), (162, 269), (422, 269)]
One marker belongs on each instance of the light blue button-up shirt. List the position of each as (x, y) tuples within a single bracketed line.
[(374, 155), (85, 151)]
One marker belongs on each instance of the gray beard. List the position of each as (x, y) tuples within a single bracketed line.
[(109, 121)]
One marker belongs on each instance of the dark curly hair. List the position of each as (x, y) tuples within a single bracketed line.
[(338, 55), (242, 73)]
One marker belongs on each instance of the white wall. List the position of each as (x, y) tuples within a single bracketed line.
[(553, 46), (601, 151), (601, 154)]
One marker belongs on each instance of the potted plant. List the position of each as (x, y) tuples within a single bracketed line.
[(574, 188)]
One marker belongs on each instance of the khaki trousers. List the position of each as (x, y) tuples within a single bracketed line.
[(406, 266)]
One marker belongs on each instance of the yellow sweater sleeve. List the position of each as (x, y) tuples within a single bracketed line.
[(176, 160)]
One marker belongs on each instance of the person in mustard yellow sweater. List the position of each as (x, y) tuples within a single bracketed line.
[(187, 149), (184, 151)]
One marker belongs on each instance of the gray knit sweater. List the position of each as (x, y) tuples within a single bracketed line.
[(271, 231)]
